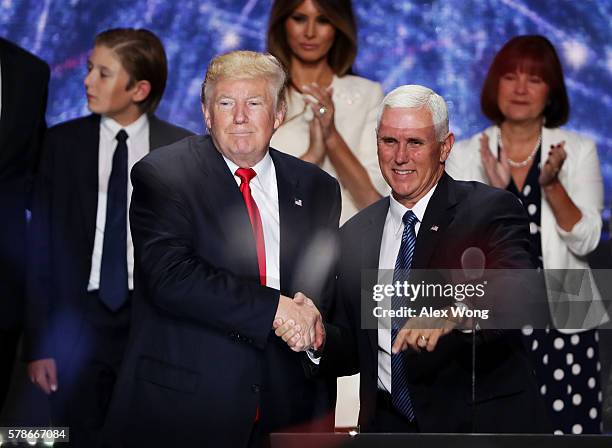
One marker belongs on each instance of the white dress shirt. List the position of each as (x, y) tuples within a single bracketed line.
[(265, 193), (389, 248), (138, 147)]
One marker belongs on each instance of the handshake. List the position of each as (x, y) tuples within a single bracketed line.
[(299, 323)]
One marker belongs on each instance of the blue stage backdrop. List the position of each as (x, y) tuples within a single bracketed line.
[(444, 44)]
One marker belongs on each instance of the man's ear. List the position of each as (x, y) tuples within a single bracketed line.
[(207, 117), (279, 116), (447, 145), (140, 91)]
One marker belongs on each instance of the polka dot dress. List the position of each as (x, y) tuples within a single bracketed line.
[(566, 365), (568, 370)]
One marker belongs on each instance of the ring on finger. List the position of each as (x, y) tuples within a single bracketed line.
[(423, 338), (322, 110)]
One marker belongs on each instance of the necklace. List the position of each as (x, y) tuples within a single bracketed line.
[(527, 161)]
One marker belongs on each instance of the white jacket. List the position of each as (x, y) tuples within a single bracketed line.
[(356, 101), (580, 175)]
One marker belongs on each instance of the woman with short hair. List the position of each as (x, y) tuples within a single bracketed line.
[(556, 175)]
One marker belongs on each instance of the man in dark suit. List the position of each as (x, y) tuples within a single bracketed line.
[(23, 100), (80, 277), (225, 233), (418, 376)]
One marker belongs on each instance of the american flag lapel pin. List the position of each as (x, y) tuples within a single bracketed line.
[(298, 202), (434, 228)]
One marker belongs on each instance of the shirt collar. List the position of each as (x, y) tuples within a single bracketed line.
[(397, 210), (263, 169), (112, 127)]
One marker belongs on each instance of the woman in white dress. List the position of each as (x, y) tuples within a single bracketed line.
[(556, 175), (331, 117)]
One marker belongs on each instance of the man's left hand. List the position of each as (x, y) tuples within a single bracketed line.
[(422, 333)]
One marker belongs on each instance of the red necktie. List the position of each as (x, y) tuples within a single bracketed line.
[(245, 175)]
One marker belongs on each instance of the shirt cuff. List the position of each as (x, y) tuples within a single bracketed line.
[(314, 357)]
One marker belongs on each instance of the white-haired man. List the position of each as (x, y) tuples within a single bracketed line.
[(418, 377), (220, 224)]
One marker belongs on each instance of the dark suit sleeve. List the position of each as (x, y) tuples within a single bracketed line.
[(506, 233), (38, 340), (340, 356), (512, 286), (328, 300), (176, 280), (36, 140), (514, 290)]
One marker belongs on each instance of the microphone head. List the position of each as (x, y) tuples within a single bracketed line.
[(473, 262)]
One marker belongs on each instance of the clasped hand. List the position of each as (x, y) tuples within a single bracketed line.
[(322, 126), (299, 323)]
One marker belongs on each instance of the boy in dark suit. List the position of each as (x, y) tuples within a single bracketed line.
[(80, 278)]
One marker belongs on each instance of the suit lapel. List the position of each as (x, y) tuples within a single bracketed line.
[(222, 197), (89, 141), (438, 216), (371, 239), (292, 216)]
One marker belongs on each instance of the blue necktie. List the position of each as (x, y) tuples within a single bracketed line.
[(400, 395), (113, 272)]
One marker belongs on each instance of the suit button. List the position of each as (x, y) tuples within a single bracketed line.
[(255, 388)]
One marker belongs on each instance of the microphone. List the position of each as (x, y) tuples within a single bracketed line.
[(473, 262)]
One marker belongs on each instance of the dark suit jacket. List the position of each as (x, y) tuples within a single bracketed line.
[(202, 357), (63, 227), (467, 214), (22, 125)]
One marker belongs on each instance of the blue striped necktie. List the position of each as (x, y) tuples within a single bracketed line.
[(400, 395)]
